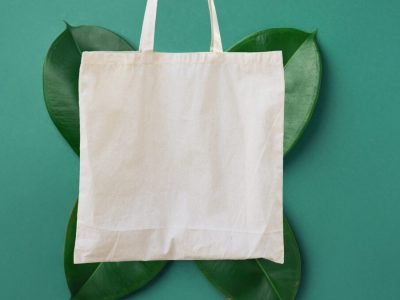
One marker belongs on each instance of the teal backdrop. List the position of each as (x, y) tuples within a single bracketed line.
[(341, 183)]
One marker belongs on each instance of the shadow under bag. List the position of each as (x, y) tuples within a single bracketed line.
[(181, 154)]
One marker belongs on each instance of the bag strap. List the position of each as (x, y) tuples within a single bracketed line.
[(149, 23)]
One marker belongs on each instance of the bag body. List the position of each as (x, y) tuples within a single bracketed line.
[(181, 154)]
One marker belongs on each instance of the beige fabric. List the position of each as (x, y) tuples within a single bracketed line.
[(181, 153)]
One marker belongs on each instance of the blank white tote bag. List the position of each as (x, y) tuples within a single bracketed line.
[(181, 154)]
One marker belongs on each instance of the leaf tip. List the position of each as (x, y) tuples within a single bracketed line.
[(67, 25), (314, 33)]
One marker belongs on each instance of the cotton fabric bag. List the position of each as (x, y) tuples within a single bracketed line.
[(181, 154)]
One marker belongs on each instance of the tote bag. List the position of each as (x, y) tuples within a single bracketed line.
[(181, 154)]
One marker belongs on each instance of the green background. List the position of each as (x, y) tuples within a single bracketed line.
[(341, 184)]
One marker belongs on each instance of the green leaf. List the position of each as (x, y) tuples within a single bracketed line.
[(111, 280), (61, 70), (302, 73), (257, 278)]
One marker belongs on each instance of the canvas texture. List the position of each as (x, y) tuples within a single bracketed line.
[(181, 154)]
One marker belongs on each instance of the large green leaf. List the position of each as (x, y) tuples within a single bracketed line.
[(61, 70), (257, 278), (111, 280), (302, 73)]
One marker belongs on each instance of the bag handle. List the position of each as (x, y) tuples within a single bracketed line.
[(149, 23)]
